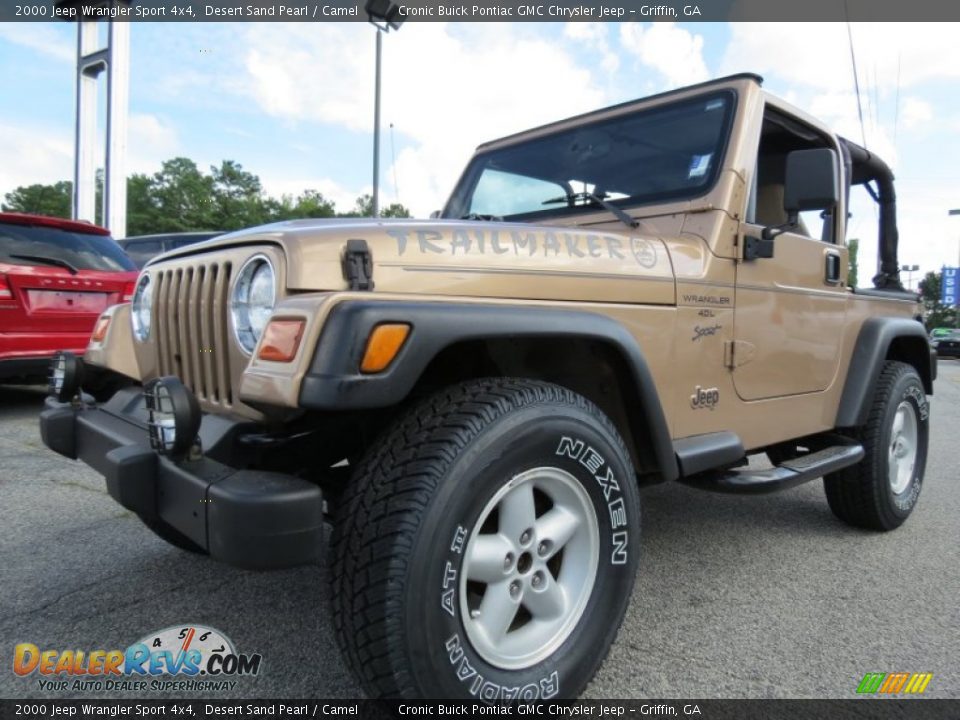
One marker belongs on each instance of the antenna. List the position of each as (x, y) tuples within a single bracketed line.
[(856, 80)]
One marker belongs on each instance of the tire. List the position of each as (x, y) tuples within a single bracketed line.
[(171, 535), (418, 520), (878, 493)]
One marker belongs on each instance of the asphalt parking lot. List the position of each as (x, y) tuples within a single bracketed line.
[(737, 596)]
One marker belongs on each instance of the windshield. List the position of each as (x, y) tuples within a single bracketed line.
[(668, 152), (20, 243)]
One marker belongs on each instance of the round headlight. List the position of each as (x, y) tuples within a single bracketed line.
[(254, 296), (142, 308)]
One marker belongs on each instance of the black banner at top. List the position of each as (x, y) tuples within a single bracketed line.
[(483, 10)]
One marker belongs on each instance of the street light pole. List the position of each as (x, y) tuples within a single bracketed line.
[(384, 15), (376, 130)]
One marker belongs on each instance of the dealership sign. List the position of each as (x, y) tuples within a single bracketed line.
[(948, 286)]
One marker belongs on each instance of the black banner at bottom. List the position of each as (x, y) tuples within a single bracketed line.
[(377, 710)]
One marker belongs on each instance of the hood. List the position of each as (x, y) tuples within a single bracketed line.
[(481, 259)]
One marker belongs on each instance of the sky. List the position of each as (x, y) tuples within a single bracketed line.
[(293, 103)]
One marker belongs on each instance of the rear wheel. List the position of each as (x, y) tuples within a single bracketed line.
[(880, 491), (487, 546)]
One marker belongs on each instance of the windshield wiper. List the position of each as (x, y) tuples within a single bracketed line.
[(48, 260), (593, 197)]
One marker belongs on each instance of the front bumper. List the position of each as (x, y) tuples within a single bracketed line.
[(249, 518)]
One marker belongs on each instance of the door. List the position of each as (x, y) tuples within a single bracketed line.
[(790, 308), (789, 317)]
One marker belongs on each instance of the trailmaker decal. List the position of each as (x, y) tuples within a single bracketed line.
[(199, 658)]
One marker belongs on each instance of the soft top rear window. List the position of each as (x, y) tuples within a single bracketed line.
[(20, 243), (669, 152)]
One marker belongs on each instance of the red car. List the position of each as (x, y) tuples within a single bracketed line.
[(56, 277)]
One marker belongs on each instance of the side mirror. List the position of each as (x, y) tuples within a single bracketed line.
[(435, 214), (811, 181)]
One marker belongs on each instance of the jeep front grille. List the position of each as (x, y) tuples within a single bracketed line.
[(192, 336)]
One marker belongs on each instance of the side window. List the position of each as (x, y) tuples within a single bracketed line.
[(864, 221), (780, 136)]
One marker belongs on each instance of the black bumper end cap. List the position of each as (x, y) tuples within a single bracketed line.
[(131, 474), (57, 428), (263, 520)]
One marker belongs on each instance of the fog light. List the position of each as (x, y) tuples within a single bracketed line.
[(174, 416), (66, 374)]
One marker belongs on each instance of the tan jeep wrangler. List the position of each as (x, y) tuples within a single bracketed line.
[(628, 297)]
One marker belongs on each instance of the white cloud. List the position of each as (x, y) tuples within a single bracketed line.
[(343, 198), (34, 155), (817, 55), (671, 50), (594, 36), (57, 42), (500, 82), (915, 113), (150, 141)]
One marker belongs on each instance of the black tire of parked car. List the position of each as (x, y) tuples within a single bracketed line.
[(862, 495), (416, 502)]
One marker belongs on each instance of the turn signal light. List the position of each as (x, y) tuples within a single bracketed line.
[(100, 330), (383, 345), (281, 340)]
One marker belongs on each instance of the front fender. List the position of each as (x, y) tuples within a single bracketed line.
[(334, 382)]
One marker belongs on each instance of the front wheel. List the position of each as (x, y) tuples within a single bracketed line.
[(880, 491), (487, 547)]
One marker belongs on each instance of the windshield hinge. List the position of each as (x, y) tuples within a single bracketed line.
[(358, 265)]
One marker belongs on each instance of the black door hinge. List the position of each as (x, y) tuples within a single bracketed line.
[(358, 265), (754, 248)]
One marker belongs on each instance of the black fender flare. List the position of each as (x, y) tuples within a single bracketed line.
[(334, 381), (872, 349)]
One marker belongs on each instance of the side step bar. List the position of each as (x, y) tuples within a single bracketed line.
[(790, 474)]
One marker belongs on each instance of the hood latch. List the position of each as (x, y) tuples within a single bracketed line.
[(358, 265)]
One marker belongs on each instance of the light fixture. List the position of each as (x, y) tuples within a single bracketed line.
[(66, 374), (174, 416), (385, 12)]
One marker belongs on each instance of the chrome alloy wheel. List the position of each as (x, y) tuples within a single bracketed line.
[(529, 568), (902, 454)]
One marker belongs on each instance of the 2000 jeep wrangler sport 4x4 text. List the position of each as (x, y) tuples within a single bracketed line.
[(628, 297)]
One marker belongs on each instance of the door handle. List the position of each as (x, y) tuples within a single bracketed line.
[(832, 268)]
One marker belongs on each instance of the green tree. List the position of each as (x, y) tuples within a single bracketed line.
[(854, 268), (364, 208), (935, 314), (177, 199), (238, 199), (309, 204), (54, 200)]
